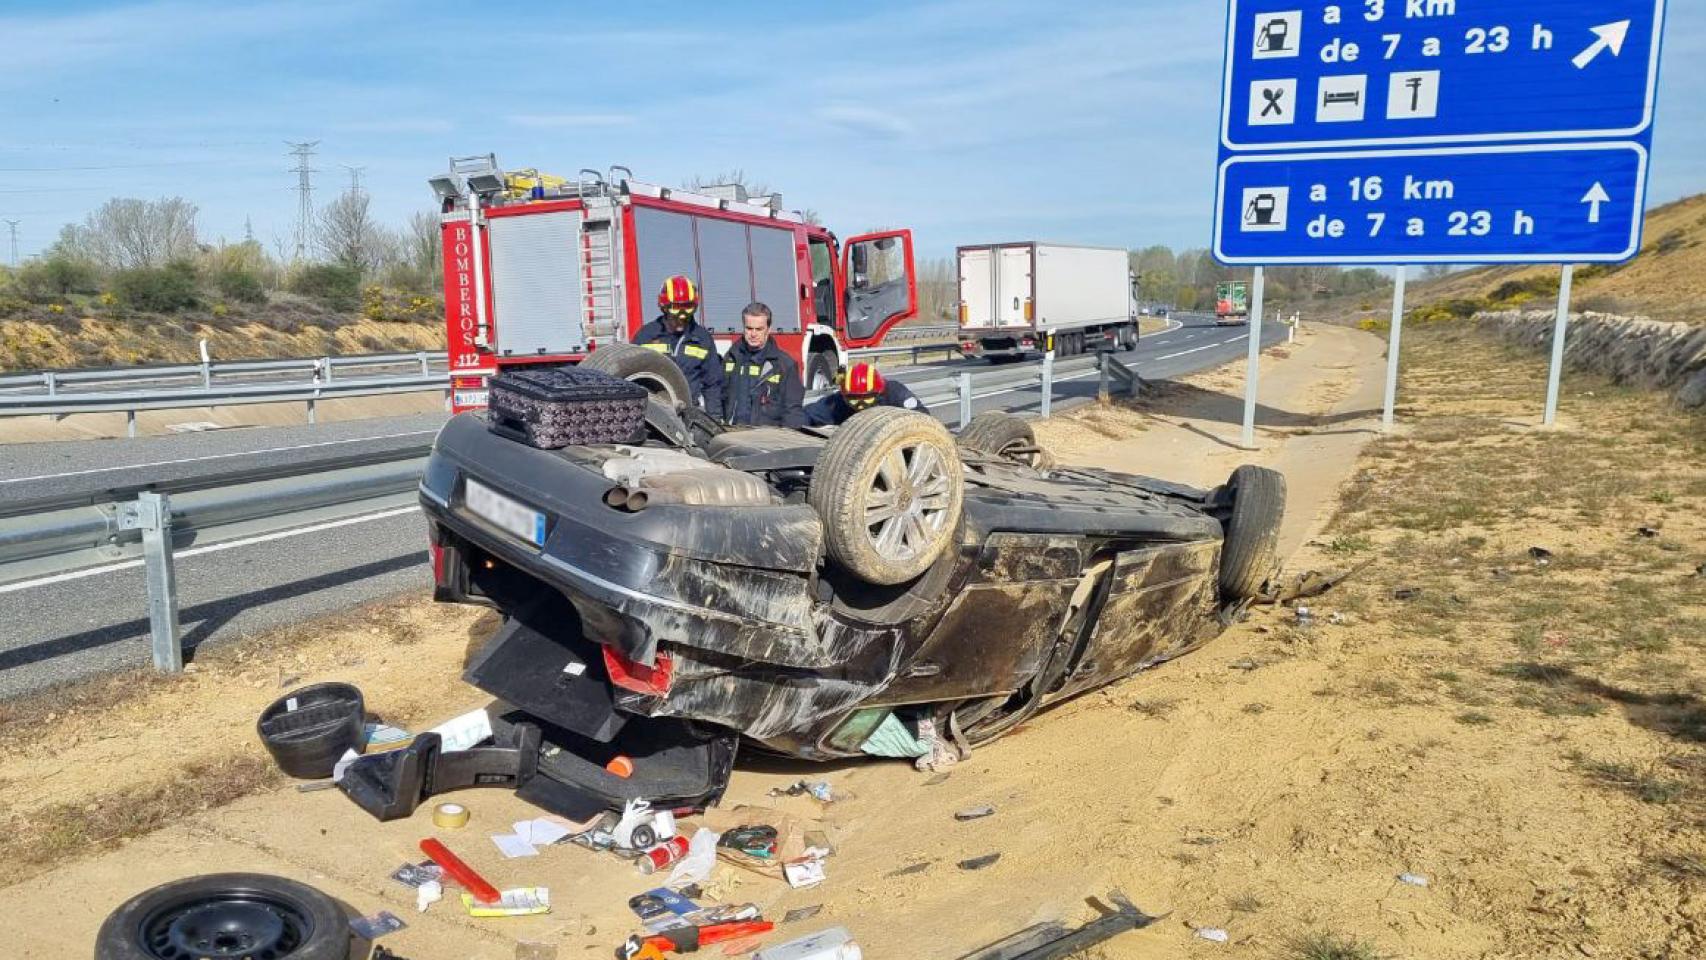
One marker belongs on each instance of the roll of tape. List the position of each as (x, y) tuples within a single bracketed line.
[(450, 816)]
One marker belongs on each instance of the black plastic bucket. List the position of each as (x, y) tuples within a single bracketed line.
[(307, 730)]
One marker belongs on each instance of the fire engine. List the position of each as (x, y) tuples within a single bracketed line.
[(541, 269)]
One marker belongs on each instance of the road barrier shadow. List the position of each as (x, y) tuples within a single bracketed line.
[(202, 621)]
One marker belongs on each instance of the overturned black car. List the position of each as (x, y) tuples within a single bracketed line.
[(818, 593)]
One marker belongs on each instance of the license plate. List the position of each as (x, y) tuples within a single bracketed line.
[(505, 514), (469, 398)]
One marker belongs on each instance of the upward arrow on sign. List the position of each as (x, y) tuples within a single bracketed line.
[(1611, 37), (1594, 198)]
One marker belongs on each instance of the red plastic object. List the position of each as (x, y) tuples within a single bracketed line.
[(633, 675), (463, 874)]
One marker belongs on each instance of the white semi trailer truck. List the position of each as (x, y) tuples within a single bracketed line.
[(1021, 298)]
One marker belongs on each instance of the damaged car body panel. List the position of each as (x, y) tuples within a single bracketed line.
[(710, 615)]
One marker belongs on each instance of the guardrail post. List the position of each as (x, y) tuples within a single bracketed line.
[(51, 381), (965, 398), (1102, 381), (206, 367), (324, 369), (311, 418), (152, 514), (426, 371), (1048, 383), (130, 424)]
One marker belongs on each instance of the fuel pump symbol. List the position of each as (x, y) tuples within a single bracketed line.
[(1260, 212), (1274, 36)]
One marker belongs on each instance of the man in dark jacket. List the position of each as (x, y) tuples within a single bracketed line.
[(862, 388), (761, 384), (677, 335)]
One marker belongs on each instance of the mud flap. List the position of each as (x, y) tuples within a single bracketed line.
[(392, 785)]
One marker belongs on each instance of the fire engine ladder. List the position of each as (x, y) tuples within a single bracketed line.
[(601, 260)]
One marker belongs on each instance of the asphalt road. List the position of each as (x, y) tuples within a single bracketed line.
[(69, 627)]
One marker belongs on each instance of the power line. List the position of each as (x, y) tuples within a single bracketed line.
[(14, 225), (354, 177), (303, 152)]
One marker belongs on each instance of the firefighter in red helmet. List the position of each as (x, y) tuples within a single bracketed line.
[(862, 388), (678, 334)]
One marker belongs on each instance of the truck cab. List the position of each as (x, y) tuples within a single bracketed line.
[(543, 270)]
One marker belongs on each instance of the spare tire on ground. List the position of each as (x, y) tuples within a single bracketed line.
[(651, 369), (1250, 552), (1001, 434), (888, 487), (226, 915)]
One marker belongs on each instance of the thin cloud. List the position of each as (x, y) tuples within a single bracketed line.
[(402, 125), (865, 121), (559, 121)]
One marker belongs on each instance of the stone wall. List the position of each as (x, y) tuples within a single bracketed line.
[(1629, 350)]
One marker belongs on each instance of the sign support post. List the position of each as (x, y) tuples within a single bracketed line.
[(1392, 347), (1560, 327), (1252, 370)]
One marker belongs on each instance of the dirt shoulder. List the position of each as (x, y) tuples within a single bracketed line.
[(1527, 736)]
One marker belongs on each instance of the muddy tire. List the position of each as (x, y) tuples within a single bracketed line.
[(1001, 434), (648, 368), (887, 487), (1250, 553), (226, 915)]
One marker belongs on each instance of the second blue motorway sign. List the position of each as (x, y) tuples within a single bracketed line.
[(1492, 130)]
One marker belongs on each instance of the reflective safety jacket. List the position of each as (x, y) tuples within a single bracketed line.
[(695, 353), (762, 388), (834, 409)]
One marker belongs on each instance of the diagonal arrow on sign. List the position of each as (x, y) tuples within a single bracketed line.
[(1611, 37), (1594, 198)]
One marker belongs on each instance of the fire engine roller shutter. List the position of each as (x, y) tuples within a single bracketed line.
[(725, 269), (776, 276), (665, 244), (538, 300)]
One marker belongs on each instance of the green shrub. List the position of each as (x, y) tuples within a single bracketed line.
[(1513, 291), (244, 286), (335, 286), (56, 277), (160, 289)]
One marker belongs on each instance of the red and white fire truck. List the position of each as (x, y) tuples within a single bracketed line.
[(540, 269)]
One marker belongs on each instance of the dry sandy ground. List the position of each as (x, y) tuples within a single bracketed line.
[(1274, 783)]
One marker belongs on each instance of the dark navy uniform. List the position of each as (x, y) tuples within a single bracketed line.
[(762, 388), (834, 409), (695, 352)]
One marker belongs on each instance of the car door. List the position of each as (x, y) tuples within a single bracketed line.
[(882, 289)]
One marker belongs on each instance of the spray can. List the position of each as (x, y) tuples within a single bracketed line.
[(663, 855)]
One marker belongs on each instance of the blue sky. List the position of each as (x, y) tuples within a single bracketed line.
[(1090, 121)]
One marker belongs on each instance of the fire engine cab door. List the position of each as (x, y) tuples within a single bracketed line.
[(538, 287), (881, 289)]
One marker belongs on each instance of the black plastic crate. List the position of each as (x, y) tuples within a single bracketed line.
[(561, 406)]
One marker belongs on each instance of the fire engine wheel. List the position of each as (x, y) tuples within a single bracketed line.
[(226, 915), (1250, 551), (820, 371), (1001, 434), (887, 487), (648, 368)]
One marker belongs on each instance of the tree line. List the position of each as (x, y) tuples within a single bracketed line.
[(1186, 280)]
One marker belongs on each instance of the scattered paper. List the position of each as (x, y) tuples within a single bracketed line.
[(700, 860), (376, 926), (520, 902), (461, 733), (542, 832), (1213, 934), (1413, 879), (415, 874), (428, 894), (513, 846), (804, 873), (381, 734)]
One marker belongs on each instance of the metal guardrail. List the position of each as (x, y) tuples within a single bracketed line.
[(49, 381), (68, 533)]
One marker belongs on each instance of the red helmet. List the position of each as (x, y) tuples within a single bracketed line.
[(861, 380), (678, 293)]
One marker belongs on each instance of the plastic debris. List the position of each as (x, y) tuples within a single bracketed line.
[(376, 926), (893, 739), (1413, 879), (910, 869), (819, 789), (978, 863), (1213, 934), (804, 873), (975, 813), (1648, 533), (1245, 664), (520, 902), (414, 874), (1303, 616), (832, 944), (700, 860), (463, 732), (802, 913), (1541, 556), (428, 894)]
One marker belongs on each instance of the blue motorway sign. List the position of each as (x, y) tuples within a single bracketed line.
[(1436, 131), (1303, 74), (1575, 203)]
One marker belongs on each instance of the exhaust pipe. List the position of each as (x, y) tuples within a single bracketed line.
[(626, 498)]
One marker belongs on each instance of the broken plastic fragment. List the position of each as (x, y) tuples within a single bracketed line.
[(978, 863), (1213, 934), (975, 813), (428, 894), (1413, 879)]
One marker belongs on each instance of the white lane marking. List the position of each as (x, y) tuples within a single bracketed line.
[(1209, 346), (210, 548), (214, 456)]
